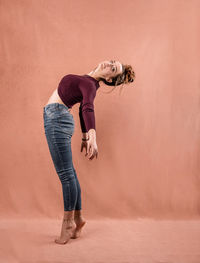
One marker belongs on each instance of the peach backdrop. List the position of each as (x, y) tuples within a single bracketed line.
[(148, 137)]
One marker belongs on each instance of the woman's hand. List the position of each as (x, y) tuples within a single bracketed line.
[(91, 148), (90, 145)]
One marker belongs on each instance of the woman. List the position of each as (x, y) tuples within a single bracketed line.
[(59, 128)]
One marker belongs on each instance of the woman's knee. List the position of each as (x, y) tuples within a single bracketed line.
[(66, 175)]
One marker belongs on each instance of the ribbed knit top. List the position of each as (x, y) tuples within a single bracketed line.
[(80, 88)]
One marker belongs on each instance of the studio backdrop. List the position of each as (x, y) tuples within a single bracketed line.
[(148, 135)]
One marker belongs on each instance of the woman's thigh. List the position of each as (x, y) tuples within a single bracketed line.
[(59, 129)]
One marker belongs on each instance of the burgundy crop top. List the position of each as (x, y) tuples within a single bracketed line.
[(80, 88)]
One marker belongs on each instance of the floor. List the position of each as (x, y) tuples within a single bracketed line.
[(108, 240)]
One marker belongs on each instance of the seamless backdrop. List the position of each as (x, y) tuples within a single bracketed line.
[(148, 135)]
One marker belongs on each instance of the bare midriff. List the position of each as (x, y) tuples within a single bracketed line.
[(55, 98)]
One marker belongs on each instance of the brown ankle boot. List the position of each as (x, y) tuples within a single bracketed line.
[(68, 227)]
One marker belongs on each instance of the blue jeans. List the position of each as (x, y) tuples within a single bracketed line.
[(59, 128)]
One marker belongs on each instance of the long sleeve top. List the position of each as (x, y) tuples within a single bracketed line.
[(80, 88)]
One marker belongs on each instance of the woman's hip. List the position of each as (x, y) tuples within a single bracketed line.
[(58, 119)]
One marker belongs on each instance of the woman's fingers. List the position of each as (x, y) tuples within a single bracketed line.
[(84, 145), (91, 151), (93, 154), (81, 147), (87, 149)]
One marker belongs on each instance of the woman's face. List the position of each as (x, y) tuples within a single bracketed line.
[(109, 69)]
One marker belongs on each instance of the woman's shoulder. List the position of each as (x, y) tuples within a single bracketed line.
[(90, 80), (71, 76), (83, 80)]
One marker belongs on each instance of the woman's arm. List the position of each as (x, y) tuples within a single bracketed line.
[(87, 119)]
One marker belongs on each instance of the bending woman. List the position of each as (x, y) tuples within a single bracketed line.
[(59, 128)]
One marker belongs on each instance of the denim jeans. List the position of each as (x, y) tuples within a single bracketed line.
[(59, 128)]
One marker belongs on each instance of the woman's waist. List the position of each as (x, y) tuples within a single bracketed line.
[(56, 112), (55, 98)]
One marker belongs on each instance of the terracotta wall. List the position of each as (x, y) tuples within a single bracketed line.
[(148, 137)]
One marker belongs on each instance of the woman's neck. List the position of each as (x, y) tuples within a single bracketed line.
[(94, 74)]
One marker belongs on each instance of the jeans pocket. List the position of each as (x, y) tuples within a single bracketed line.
[(50, 112)]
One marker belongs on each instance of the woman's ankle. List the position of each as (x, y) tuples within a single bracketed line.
[(77, 214), (69, 215)]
